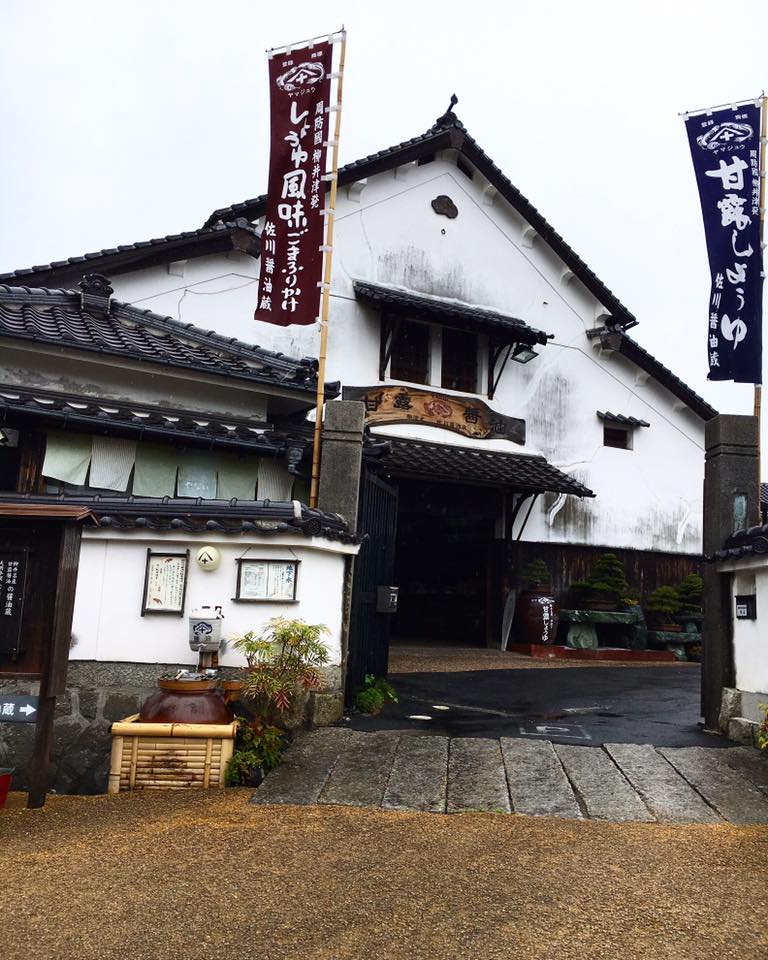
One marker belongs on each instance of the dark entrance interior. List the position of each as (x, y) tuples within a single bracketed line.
[(444, 563)]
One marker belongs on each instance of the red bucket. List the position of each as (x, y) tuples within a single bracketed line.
[(5, 784)]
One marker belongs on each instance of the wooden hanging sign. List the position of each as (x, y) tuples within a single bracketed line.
[(468, 416)]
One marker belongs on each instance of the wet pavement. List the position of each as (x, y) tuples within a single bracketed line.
[(585, 706)]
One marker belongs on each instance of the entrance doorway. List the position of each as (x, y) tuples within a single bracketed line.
[(445, 563)]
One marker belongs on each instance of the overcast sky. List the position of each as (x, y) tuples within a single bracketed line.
[(129, 120)]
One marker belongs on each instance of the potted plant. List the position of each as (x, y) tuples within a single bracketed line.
[(605, 586), (374, 693), (661, 607), (537, 610), (258, 749), (282, 660), (690, 592)]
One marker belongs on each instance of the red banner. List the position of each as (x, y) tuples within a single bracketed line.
[(291, 258)]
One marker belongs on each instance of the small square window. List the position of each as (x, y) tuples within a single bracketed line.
[(616, 436)]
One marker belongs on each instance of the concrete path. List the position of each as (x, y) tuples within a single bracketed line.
[(618, 782)]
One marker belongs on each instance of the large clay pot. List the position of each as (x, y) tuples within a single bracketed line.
[(536, 617), (186, 701)]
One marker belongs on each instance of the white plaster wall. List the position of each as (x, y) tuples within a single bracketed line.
[(647, 498), (750, 637), (108, 625)]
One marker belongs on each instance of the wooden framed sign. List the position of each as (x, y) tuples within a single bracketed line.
[(267, 580), (165, 583), (469, 416)]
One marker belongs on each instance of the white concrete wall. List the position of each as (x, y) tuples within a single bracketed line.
[(108, 625), (647, 498)]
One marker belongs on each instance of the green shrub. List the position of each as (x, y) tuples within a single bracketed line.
[(285, 657), (663, 602), (369, 701), (375, 692), (257, 745), (690, 591), (762, 732), (536, 574), (606, 581)]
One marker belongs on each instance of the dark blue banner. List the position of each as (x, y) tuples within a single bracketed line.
[(725, 146)]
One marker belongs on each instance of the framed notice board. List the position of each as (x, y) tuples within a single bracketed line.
[(265, 581), (165, 583)]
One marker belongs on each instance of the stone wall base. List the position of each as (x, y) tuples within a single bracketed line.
[(97, 694), (741, 715)]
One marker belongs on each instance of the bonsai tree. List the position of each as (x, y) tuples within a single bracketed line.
[(536, 575), (690, 592), (281, 660), (662, 604), (606, 582)]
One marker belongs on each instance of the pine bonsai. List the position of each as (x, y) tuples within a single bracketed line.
[(536, 574), (662, 604), (606, 582), (690, 592)]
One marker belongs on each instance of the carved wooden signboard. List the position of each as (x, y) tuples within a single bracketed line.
[(468, 416)]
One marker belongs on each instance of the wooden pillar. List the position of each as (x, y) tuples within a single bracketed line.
[(38, 765)]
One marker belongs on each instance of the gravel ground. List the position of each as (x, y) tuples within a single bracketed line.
[(206, 875), (425, 658)]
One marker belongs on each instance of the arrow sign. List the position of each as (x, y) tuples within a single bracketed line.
[(18, 709)]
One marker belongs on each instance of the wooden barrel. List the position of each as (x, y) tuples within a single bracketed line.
[(536, 617)]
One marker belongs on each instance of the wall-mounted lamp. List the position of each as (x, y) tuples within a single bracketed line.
[(523, 353)]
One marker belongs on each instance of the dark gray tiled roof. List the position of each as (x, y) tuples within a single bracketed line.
[(216, 234), (66, 318), (449, 132), (631, 349), (750, 542), (439, 461), (620, 418), (450, 312), (764, 494), (92, 415), (199, 516), (175, 246)]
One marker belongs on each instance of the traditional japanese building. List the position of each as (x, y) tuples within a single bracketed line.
[(510, 413), (184, 450)]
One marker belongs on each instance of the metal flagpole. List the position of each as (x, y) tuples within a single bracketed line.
[(758, 386), (326, 287)]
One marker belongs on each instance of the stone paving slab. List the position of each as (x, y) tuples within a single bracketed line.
[(419, 777), (600, 786), (476, 777), (537, 782), (667, 795), (436, 774), (305, 768), (749, 762), (733, 796), (360, 775)]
